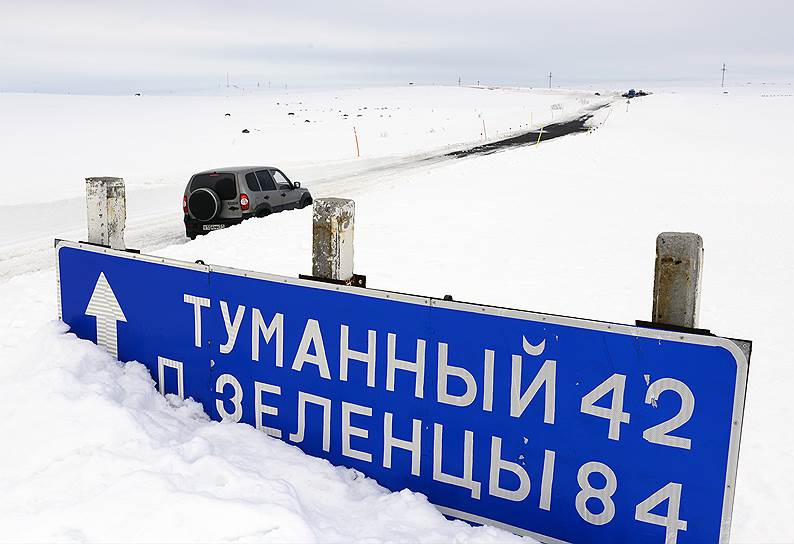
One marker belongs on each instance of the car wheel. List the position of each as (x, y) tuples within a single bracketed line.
[(305, 201)]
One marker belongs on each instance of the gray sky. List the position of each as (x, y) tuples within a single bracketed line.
[(123, 46)]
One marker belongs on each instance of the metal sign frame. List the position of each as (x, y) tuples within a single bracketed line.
[(739, 350)]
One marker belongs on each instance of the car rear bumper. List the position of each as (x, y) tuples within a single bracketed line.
[(194, 227)]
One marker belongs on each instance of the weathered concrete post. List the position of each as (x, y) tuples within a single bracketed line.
[(332, 238), (676, 285), (106, 211)]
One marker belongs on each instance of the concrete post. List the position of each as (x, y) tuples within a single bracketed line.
[(676, 285), (332, 238), (106, 211)]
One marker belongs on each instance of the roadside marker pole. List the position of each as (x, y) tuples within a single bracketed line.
[(106, 211), (607, 117), (677, 278), (355, 135), (484, 133), (540, 133)]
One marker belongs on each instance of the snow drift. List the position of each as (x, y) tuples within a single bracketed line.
[(110, 459)]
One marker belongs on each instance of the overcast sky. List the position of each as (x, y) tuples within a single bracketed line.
[(124, 46)]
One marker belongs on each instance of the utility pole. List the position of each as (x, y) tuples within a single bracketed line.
[(458, 81), (227, 80), (549, 80), (723, 75)]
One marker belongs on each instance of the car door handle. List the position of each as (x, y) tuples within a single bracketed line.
[(283, 194), (267, 197)]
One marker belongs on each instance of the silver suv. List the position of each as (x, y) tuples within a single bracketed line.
[(216, 199)]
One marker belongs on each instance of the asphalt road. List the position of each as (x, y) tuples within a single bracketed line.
[(531, 137)]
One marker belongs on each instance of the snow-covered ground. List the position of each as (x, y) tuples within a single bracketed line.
[(50, 143), (162, 140), (566, 227)]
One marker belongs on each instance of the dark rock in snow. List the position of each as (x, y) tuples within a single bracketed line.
[(227, 114), (246, 131)]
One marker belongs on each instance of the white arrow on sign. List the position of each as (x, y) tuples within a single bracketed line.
[(105, 308)]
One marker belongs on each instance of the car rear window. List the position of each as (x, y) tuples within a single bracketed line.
[(220, 182)]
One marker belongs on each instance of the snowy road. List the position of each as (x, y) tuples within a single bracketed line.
[(154, 220)]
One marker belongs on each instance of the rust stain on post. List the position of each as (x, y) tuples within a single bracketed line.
[(332, 238), (677, 278), (106, 211)]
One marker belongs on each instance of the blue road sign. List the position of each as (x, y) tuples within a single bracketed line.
[(564, 429)]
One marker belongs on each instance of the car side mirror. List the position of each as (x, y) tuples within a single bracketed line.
[(297, 185)]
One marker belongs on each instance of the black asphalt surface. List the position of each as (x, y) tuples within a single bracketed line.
[(554, 130)]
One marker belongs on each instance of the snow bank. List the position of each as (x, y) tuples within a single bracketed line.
[(96, 454)]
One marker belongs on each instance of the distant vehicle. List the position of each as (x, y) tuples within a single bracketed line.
[(216, 199), (633, 93)]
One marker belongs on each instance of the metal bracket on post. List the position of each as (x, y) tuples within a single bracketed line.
[(333, 221), (106, 211), (677, 280)]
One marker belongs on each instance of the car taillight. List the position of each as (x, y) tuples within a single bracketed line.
[(184, 203), (244, 201)]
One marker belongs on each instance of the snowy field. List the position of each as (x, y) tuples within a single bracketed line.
[(162, 140), (566, 227), (157, 142)]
